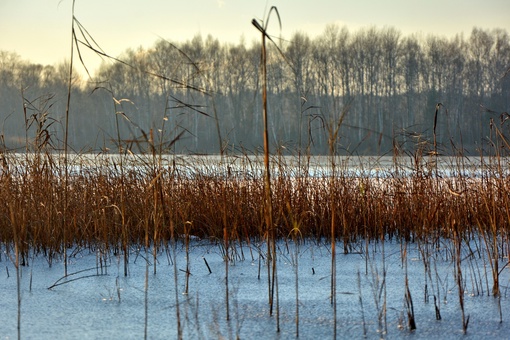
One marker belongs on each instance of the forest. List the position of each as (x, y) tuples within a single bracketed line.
[(384, 91)]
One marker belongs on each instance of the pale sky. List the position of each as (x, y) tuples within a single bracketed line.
[(39, 30)]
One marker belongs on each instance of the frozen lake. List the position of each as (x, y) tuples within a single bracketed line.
[(101, 303), (250, 165)]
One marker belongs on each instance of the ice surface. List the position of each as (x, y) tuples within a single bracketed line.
[(89, 307)]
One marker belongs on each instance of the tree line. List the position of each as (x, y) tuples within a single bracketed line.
[(380, 87)]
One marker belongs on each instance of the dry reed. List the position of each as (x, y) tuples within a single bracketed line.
[(228, 205)]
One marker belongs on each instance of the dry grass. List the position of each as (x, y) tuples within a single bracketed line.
[(203, 199)]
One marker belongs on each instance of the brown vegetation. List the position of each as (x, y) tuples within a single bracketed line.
[(112, 212)]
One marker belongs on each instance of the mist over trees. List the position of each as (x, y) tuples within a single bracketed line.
[(203, 96)]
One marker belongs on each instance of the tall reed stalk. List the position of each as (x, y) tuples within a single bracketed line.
[(268, 211), (66, 139), (333, 129)]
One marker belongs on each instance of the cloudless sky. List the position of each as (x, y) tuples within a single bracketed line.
[(39, 30)]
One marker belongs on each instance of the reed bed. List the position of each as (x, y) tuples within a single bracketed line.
[(111, 210), (118, 206)]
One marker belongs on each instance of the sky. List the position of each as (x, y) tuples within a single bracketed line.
[(40, 30)]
